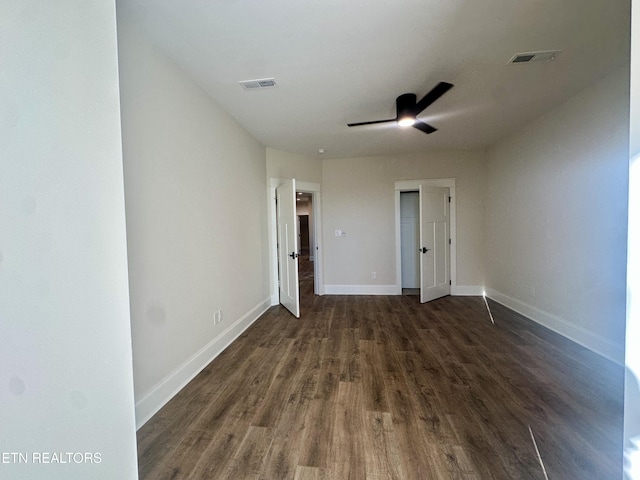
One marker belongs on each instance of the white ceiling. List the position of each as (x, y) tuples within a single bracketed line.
[(340, 61)]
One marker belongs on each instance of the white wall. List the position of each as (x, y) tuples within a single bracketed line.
[(303, 207), (196, 222), (556, 217), (291, 165), (632, 361), (359, 198), (65, 338)]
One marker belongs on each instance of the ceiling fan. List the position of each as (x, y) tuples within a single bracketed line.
[(408, 108)]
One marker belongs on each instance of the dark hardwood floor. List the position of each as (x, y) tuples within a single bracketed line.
[(376, 387)]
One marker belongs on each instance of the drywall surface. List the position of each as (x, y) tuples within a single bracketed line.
[(291, 165), (359, 199), (556, 214), (66, 390), (632, 360), (195, 186)]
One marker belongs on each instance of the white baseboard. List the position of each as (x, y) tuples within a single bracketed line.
[(361, 290), (467, 290), (460, 290), (152, 401), (594, 342)]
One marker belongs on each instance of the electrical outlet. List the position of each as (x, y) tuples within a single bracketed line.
[(374, 275)]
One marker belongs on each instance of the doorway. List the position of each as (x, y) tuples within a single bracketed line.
[(315, 235), (436, 258), (410, 242), (306, 242)]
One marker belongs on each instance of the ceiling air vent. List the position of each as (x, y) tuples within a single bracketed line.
[(530, 57), (258, 84)]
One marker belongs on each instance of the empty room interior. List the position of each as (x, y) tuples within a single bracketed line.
[(317, 240)]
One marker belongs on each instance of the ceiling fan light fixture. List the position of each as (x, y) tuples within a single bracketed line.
[(406, 121)]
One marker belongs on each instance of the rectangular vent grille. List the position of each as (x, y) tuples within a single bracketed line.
[(258, 84), (530, 57)]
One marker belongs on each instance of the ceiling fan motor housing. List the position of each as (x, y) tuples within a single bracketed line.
[(406, 106)]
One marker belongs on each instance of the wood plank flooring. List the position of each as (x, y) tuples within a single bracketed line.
[(383, 388)]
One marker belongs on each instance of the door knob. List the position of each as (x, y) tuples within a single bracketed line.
[(293, 255), (424, 250)]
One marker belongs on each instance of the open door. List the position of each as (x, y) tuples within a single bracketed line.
[(434, 243), (288, 246)]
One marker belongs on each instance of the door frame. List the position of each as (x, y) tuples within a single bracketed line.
[(412, 186), (314, 190)]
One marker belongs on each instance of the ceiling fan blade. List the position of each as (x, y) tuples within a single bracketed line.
[(424, 127), (435, 93), (370, 123)]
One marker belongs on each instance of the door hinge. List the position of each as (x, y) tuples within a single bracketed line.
[(449, 282), (449, 199), (449, 241)]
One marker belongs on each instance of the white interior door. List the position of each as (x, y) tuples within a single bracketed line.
[(434, 243), (288, 246)]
